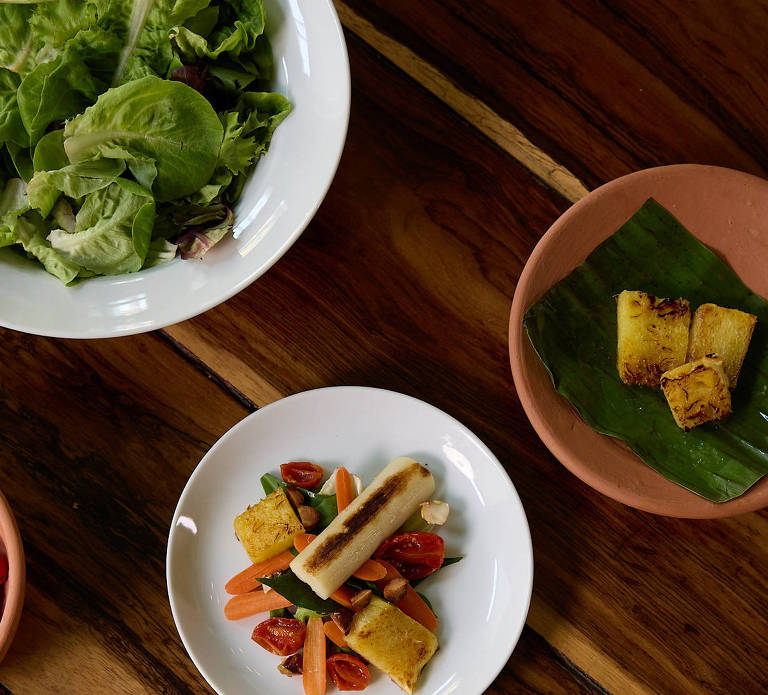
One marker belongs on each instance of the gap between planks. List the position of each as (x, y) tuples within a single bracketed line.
[(478, 114)]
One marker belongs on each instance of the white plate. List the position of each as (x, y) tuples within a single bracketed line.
[(279, 200), (482, 601)]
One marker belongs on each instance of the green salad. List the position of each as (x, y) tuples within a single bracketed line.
[(128, 127)]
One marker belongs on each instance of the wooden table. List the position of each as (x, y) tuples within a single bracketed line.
[(473, 126)]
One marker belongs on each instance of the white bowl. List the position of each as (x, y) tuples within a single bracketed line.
[(481, 602), (279, 200)]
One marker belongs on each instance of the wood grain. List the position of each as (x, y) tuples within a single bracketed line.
[(98, 440), (604, 88), (404, 280), (485, 119)]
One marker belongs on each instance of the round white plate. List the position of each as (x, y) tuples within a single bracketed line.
[(481, 602), (280, 198)]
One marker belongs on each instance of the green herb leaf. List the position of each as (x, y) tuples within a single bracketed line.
[(270, 483), (427, 601), (573, 330), (324, 504), (289, 586), (446, 562)]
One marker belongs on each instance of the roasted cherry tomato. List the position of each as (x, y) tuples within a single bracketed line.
[(415, 554), (301, 473), (283, 636), (3, 569), (348, 672)]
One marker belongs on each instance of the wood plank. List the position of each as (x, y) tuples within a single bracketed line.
[(603, 88), (98, 440), (404, 280)]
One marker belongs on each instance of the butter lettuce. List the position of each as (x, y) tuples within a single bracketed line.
[(18, 46), (128, 127), (242, 34), (11, 126), (73, 180), (151, 119), (31, 231), (148, 50), (113, 230)]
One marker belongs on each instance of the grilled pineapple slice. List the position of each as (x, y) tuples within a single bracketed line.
[(697, 392), (392, 641), (268, 527), (726, 332), (653, 336)]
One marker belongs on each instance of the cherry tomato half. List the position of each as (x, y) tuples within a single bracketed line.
[(301, 473), (3, 569), (282, 636), (348, 672), (415, 554)]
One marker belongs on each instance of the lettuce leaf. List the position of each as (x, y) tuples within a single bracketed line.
[(148, 50), (248, 131), (74, 180), (150, 118), (54, 91), (240, 30), (196, 243), (49, 152), (18, 46), (13, 202), (112, 232), (11, 127), (21, 159), (30, 231), (160, 251)]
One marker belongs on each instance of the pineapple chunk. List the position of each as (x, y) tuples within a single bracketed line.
[(653, 336), (697, 392), (268, 527), (726, 332), (392, 641)]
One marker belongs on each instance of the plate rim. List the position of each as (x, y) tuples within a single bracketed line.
[(309, 393), (704, 508)]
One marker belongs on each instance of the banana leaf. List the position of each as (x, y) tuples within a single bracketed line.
[(573, 330)]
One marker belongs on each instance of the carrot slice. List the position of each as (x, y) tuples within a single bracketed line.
[(343, 595), (412, 604), (415, 607), (345, 489), (334, 633), (302, 540), (313, 667), (248, 579), (370, 571), (244, 605)]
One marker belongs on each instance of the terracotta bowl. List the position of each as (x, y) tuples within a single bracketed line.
[(12, 592), (728, 211)]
